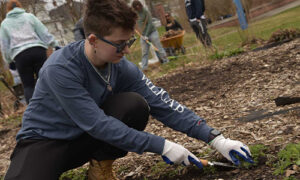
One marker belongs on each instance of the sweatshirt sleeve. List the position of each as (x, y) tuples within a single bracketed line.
[(147, 31), (178, 25), (4, 44), (67, 89), (199, 8), (42, 32), (163, 107)]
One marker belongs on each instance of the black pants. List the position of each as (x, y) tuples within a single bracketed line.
[(200, 30), (48, 159), (29, 63)]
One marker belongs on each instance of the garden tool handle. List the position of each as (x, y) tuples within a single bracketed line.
[(155, 48), (204, 162), (139, 34)]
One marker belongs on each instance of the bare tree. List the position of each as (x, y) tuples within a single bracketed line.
[(2, 17), (2, 10), (75, 15), (34, 8)]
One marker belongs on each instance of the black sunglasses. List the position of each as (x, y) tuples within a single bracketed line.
[(120, 47)]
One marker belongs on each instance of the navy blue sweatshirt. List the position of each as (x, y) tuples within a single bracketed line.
[(194, 9), (68, 93)]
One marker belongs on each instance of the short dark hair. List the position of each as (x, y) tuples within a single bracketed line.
[(136, 3), (101, 16)]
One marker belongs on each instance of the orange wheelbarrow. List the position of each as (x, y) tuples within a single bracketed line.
[(173, 44)]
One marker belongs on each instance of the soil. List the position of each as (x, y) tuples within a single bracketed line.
[(235, 95)]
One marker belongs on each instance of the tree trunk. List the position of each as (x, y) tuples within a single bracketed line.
[(74, 15)]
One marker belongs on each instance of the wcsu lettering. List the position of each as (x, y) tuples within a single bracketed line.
[(163, 96)]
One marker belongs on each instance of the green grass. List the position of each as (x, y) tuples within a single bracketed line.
[(290, 178), (230, 37), (75, 174), (225, 53), (284, 20), (257, 151), (227, 41), (14, 121), (286, 157), (167, 170)]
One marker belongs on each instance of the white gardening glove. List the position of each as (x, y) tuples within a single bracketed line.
[(230, 149), (176, 154)]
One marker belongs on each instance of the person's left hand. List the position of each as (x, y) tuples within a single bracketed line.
[(176, 154), (231, 148)]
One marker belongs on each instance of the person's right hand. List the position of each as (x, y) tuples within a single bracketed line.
[(231, 148), (176, 154)]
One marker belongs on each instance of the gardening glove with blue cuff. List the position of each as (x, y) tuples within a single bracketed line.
[(230, 149), (176, 154)]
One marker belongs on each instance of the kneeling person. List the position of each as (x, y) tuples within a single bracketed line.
[(92, 104)]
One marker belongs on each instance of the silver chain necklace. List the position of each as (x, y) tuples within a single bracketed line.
[(108, 86)]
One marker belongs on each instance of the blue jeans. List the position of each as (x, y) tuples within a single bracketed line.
[(161, 54)]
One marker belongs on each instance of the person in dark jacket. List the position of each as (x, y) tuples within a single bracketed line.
[(195, 11), (91, 104), (78, 31), (172, 24)]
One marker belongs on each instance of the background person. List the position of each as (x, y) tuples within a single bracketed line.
[(195, 12), (78, 31), (92, 104), (149, 32), (172, 24), (24, 40)]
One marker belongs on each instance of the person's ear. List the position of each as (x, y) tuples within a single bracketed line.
[(92, 39)]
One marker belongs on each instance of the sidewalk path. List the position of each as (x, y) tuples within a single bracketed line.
[(278, 10), (267, 14)]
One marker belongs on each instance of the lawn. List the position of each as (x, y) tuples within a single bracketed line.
[(225, 40), (258, 29)]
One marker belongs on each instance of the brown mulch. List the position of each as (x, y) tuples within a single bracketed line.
[(227, 93), (234, 95)]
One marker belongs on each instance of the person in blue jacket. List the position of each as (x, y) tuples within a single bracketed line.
[(91, 104), (195, 11)]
